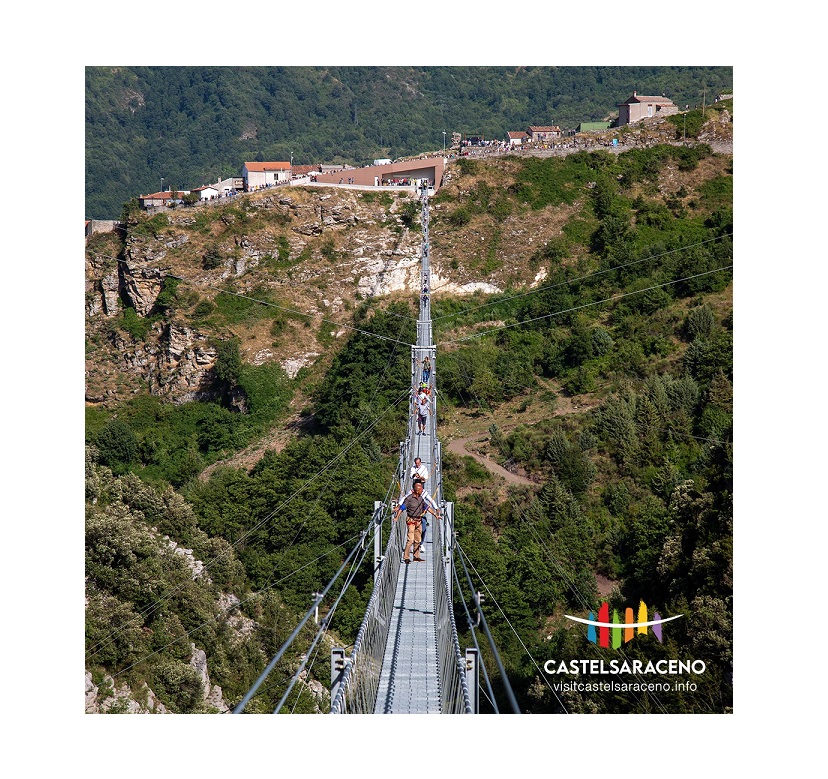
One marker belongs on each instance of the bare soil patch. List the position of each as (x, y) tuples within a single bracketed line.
[(458, 446)]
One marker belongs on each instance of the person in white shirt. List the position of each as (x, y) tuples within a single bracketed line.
[(422, 406), (420, 473)]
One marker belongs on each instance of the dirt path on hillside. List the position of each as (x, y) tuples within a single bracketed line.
[(458, 446), (274, 441)]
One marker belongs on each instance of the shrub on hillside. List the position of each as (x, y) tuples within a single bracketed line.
[(211, 258), (136, 326), (178, 686), (459, 217), (698, 323), (117, 445)]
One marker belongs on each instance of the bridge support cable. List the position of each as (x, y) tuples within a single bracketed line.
[(485, 625), (473, 679), (317, 600), (541, 674), (454, 690), (326, 621), (482, 665), (357, 688)]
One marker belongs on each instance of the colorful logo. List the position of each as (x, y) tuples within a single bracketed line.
[(619, 632)]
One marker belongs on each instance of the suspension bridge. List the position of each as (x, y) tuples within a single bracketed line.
[(407, 657)]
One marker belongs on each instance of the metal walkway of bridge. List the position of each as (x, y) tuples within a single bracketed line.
[(406, 658)]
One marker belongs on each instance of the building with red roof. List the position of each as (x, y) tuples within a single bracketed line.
[(516, 138), (263, 174)]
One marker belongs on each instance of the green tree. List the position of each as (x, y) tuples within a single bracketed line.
[(212, 257), (699, 322), (117, 445), (228, 362)]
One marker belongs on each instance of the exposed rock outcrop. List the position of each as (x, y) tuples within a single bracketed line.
[(177, 363), (109, 698), (142, 276)]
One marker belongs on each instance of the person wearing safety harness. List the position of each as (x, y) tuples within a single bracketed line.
[(419, 471), (416, 506)]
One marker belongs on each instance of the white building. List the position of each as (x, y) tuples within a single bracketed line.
[(206, 192), (261, 174), (516, 138)]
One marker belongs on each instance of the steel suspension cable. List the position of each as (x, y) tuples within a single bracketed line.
[(92, 651), (569, 582), (323, 627), (252, 597), (377, 528), (580, 278), (577, 592), (517, 635), (469, 619), (379, 384), (509, 692), (271, 665)]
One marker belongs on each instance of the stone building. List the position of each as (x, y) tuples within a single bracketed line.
[(543, 132), (639, 107)]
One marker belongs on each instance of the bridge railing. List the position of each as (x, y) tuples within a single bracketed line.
[(357, 690), (454, 691)]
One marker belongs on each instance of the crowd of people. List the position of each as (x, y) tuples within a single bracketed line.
[(257, 187)]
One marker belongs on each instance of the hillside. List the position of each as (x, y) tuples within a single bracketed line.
[(194, 125), (582, 309)]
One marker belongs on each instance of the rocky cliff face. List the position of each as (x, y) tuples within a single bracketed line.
[(314, 251), (107, 697)]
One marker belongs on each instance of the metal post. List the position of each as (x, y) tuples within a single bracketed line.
[(337, 669), (478, 602), (378, 507), (317, 597), (473, 679), (414, 363), (437, 487), (448, 540)]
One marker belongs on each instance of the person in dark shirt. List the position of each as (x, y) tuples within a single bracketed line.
[(416, 505), (426, 369)]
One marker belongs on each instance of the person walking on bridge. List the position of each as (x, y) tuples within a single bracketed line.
[(426, 370), (422, 407), (419, 471), (416, 506)]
